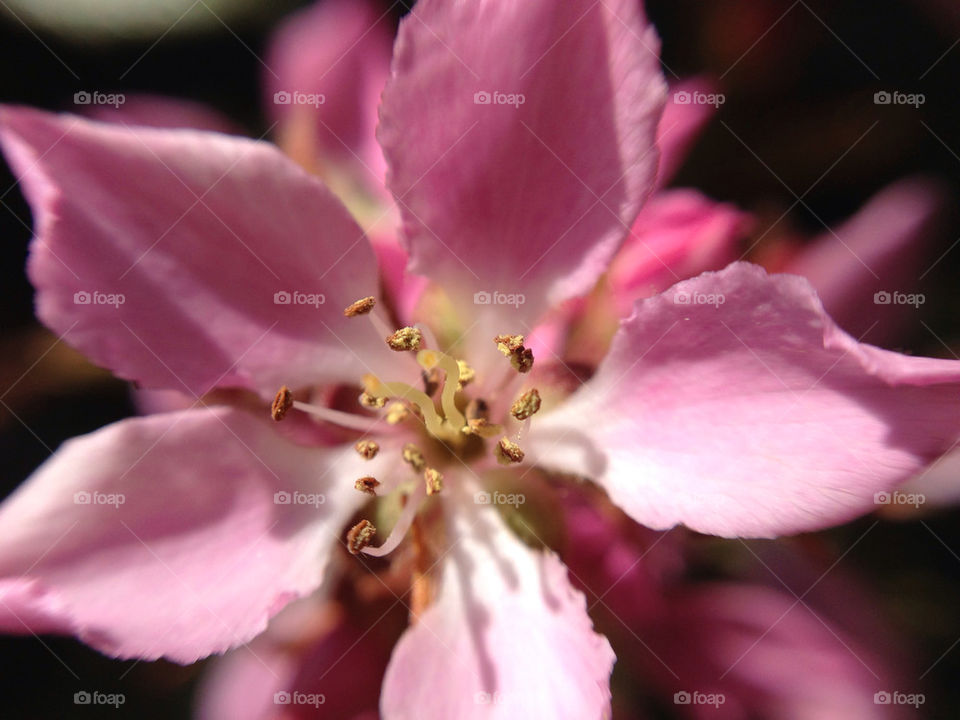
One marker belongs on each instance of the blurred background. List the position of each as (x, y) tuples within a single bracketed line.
[(800, 142)]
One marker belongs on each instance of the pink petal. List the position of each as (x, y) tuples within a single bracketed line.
[(197, 233), (884, 248), (754, 417), (163, 112), (340, 50), (682, 122), (507, 637), (678, 234), (528, 198), (181, 549)]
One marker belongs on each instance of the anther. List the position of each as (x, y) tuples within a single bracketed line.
[(281, 403), (397, 413), (359, 536), (367, 449), (406, 338), (367, 485), (526, 405), (512, 346), (371, 402), (482, 427), (434, 481), (360, 307), (508, 452), (413, 457)]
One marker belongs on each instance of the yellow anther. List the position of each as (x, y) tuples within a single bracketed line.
[(483, 428), (508, 452), (367, 485), (371, 402), (526, 405), (406, 338), (413, 457), (467, 374), (434, 481), (367, 449), (360, 535), (397, 413), (360, 307)]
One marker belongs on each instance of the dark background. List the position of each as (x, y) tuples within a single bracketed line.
[(799, 80)]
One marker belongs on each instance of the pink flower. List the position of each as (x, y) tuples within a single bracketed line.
[(518, 157)]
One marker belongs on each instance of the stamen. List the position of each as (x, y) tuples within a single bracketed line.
[(431, 359), (508, 452), (360, 307), (482, 427), (368, 449), (512, 346), (508, 344), (526, 405), (434, 481), (281, 403), (367, 485), (371, 402), (359, 536), (413, 457), (406, 338), (346, 420), (397, 413), (402, 525), (377, 388)]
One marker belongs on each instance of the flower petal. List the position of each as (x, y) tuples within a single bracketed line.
[(337, 52), (159, 111), (753, 416), (167, 255), (520, 155), (166, 536), (879, 252), (507, 637), (681, 124)]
